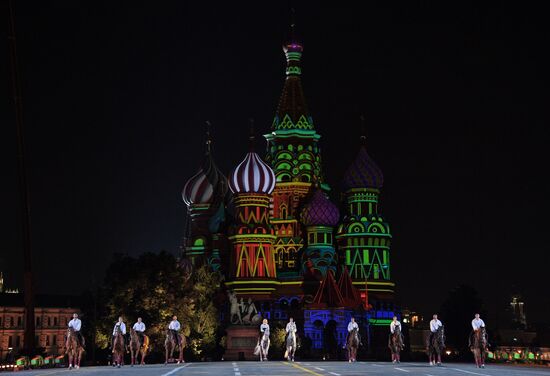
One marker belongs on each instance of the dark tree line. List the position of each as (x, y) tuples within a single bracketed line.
[(154, 287)]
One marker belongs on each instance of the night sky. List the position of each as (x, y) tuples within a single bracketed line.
[(116, 97)]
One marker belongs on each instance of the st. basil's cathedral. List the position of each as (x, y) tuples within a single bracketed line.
[(282, 245)]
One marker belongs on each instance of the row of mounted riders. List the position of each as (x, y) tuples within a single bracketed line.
[(138, 345), (477, 342)]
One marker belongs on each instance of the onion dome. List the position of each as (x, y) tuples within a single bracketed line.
[(252, 175), (320, 211), (363, 172), (207, 184)]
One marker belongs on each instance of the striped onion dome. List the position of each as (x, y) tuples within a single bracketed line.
[(252, 175), (205, 184), (320, 211), (363, 172)]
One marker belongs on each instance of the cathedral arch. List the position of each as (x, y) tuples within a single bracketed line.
[(356, 228)]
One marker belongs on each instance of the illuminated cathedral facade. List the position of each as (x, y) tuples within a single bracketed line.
[(271, 229)]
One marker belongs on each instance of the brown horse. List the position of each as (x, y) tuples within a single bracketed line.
[(136, 348), (170, 346), (478, 345), (73, 349), (352, 344), (118, 349), (435, 346), (395, 343)]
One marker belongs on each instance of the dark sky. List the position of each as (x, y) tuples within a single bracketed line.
[(455, 97)]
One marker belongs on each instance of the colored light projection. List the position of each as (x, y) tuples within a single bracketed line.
[(364, 237), (288, 242)]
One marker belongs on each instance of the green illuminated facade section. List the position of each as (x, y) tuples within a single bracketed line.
[(319, 255), (364, 238)]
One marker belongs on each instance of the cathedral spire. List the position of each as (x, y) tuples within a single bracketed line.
[(363, 136), (208, 137), (292, 112)]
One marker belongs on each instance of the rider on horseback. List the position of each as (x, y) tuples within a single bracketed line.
[(434, 325), (139, 327), (175, 327), (291, 328), (76, 324), (119, 325), (396, 345), (478, 338), (353, 325)]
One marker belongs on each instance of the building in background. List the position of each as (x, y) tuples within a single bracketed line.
[(52, 314), (283, 244)]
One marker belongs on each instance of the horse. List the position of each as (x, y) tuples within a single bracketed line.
[(290, 346), (395, 343), (118, 348), (170, 346), (478, 345), (136, 348), (263, 346), (352, 343), (435, 346), (73, 349)]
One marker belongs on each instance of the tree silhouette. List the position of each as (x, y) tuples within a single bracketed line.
[(457, 312)]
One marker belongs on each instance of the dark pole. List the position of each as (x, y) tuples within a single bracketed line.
[(23, 186)]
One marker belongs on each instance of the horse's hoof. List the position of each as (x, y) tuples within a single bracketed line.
[(483, 366)]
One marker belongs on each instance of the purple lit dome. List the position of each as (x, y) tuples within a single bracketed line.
[(363, 173), (320, 211), (252, 175)]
